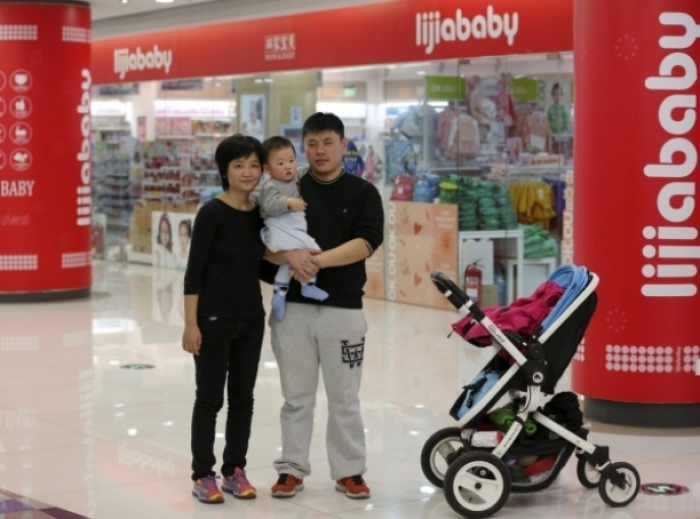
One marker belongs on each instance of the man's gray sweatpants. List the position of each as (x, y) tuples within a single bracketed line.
[(333, 337)]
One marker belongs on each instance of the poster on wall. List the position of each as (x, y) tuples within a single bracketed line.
[(253, 115), (293, 133), (422, 238), (353, 162), (170, 239)]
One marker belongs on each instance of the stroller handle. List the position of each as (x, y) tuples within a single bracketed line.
[(449, 289)]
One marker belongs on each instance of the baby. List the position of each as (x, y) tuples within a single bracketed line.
[(283, 210)]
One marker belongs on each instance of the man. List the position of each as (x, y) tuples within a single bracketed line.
[(345, 217)]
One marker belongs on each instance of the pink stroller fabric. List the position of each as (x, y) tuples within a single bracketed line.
[(523, 316)]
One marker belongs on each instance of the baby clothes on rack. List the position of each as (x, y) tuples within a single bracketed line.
[(538, 243), (533, 202), (403, 187), (425, 188), (399, 153), (483, 205), (412, 123), (559, 195), (463, 140), (444, 126)]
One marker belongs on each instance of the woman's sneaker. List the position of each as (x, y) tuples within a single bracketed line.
[(353, 487), (287, 486), (207, 491), (238, 485)]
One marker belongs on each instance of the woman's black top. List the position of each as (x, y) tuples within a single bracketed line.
[(226, 262)]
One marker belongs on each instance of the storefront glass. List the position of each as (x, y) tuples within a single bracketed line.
[(471, 157)]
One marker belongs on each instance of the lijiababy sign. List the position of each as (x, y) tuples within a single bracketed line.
[(671, 269), (155, 59), (432, 28)]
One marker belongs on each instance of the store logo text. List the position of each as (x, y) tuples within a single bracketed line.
[(124, 61), (431, 28), (84, 200), (675, 201)]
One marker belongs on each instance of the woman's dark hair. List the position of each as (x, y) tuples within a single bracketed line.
[(235, 147), (556, 86), (169, 245), (323, 122)]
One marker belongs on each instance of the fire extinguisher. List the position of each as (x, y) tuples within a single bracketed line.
[(472, 282)]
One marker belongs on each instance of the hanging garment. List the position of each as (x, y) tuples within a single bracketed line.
[(444, 127), (533, 202), (396, 151), (464, 140)]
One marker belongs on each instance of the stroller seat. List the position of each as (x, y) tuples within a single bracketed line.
[(555, 317)]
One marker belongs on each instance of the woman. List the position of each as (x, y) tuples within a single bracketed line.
[(224, 317), (163, 252), (184, 233)]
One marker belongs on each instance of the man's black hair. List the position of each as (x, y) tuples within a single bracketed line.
[(323, 122), (232, 148)]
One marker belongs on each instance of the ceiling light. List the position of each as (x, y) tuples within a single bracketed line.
[(421, 72), (125, 1), (165, 1)]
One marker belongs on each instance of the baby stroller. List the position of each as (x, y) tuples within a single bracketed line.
[(478, 478)]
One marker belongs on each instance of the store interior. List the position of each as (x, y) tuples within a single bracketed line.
[(491, 136)]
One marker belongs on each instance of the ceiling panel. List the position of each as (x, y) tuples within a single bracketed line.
[(102, 9)]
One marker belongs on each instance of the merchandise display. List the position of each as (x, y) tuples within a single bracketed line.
[(534, 202), (111, 169), (538, 242), (483, 205), (477, 135)]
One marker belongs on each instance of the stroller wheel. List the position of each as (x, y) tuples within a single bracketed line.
[(587, 474), (477, 485), (438, 452), (616, 496)]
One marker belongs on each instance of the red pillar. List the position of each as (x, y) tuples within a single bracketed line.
[(636, 206), (45, 197)]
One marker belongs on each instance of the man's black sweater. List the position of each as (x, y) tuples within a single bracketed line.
[(344, 209)]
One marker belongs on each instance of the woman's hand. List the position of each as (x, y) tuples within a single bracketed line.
[(192, 339)]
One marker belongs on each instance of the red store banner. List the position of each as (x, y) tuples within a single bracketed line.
[(637, 217), (45, 184), (386, 32)]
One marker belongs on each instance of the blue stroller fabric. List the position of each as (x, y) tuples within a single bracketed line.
[(474, 392), (573, 280)]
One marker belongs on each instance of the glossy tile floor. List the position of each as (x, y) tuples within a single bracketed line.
[(81, 434)]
